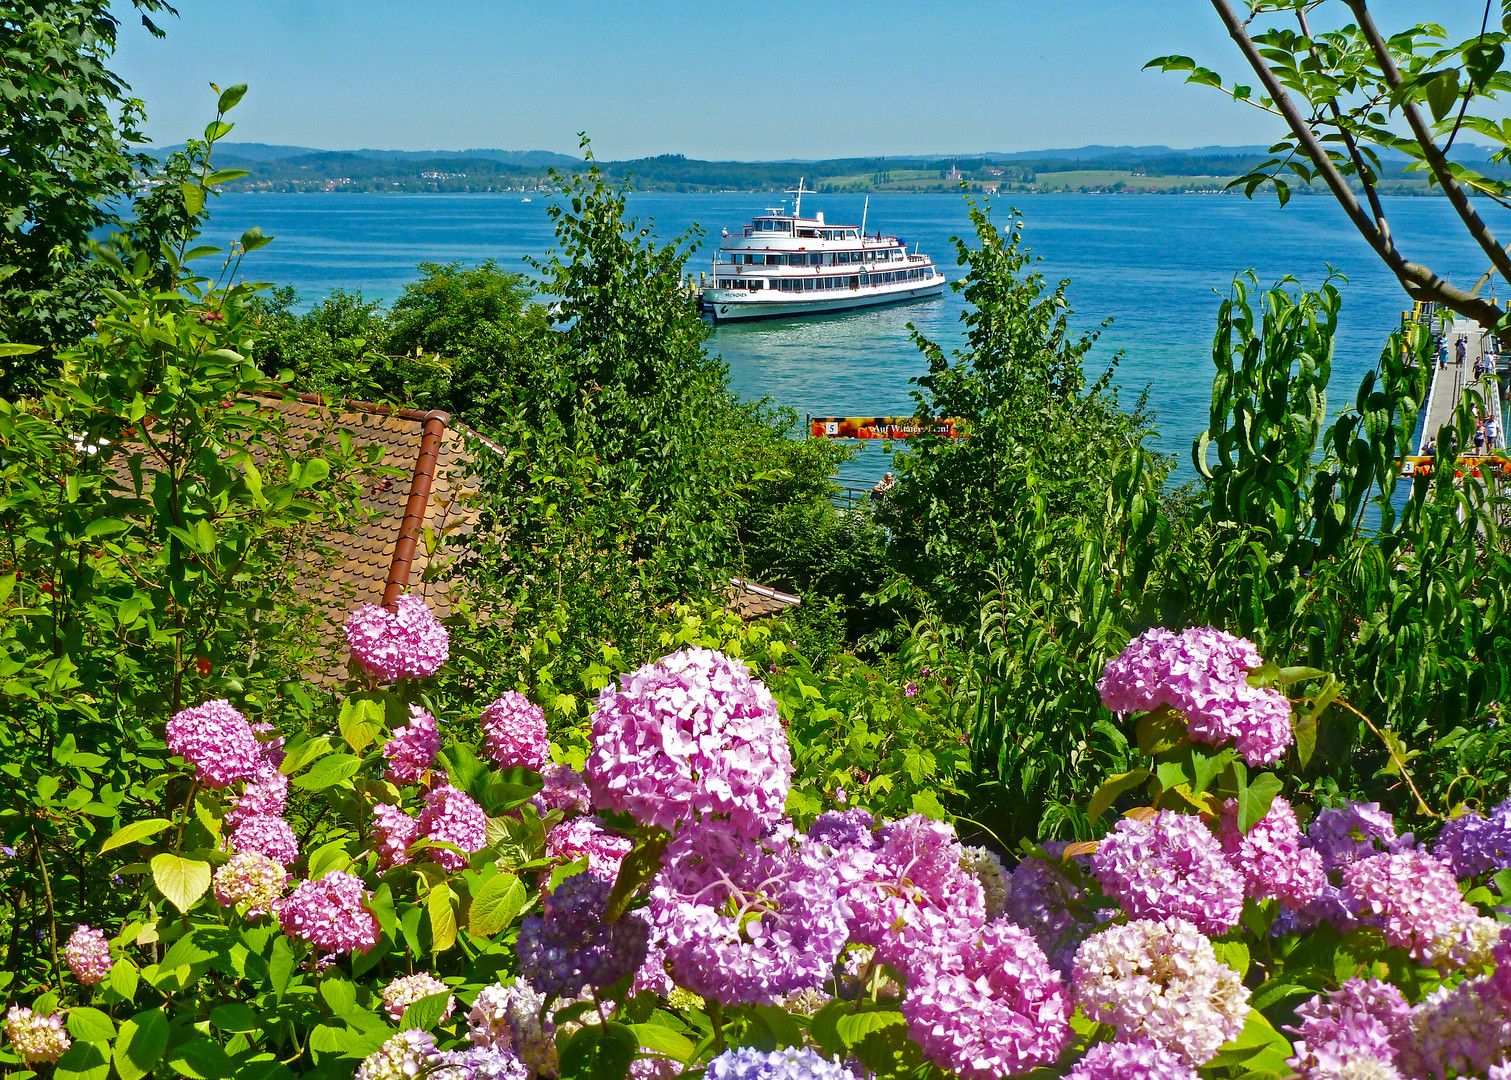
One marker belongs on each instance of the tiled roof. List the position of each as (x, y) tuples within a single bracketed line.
[(408, 515), (751, 601)]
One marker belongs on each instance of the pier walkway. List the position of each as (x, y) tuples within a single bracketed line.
[(1450, 382)]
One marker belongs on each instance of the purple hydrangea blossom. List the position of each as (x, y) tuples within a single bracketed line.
[(1345, 834), (478, 1063), (452, 817), (689, 736), (88, 955), (789, 1063), (1203, 673), (1457, 1030), (564, 789), (1043, 900), (1472, 845), (392, 832), (652, 977), (217, 741), (411, 749), (845, 829), (1364, 1020), (989, 1007), (266, 835), (1161, 982), (585, 836), (1412, 898), (906, 890), (514, 733), (1270, 856), (745, 921), (1170, 866), (407, 643), (1131, 1061), (569, 946), (332, 914)]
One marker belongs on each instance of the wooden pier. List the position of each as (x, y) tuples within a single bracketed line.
[(1450, 380)]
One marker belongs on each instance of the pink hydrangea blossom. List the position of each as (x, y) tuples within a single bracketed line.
[(270, 836), (514, 733), (411, 749), (564, 789), (88, 955), (404, 991), (652, 976), (1170, 866), (36, 1038), (1131, 1061), (265, 795), (905, 887), (451, 816), (1203, 673), (988, 1007), (1359, 1025), (217, 741), (252, 880), (404, 644), (1270, 856), (392, 832), (1161, 982), (1411, 896), (333, 915), (690, 736), (573, 839), (745, 921)]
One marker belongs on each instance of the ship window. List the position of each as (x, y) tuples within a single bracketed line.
[(855, 283)]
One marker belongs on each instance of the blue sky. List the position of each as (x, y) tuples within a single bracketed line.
[(774, 79)]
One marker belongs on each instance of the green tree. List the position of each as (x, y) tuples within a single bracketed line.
[(68, 126)]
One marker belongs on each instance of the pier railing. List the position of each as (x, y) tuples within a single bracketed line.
[(850, 493)]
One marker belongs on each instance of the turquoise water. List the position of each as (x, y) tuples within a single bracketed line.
[(1153, 264)]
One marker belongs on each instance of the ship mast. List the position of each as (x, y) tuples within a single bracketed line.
[(797, 208), (864, 211)]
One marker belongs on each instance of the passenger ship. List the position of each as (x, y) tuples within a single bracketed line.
[(786, 264)]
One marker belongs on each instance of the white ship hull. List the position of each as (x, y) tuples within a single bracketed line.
[(729, 305)]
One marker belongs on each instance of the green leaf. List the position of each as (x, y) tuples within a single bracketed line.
[(1160, 730), (12, 348), (1170, 774), (301, 754), (201, 1059), (235, 1016), (638, 867), (854, 1027), (1113, 787), (1305, 726), (340, 996), (328, 772), (327, 858), (1205, 769), (1441, 93), (1289, 675), (230, 97), (601, 1052), (496, 905), (123, 978), (253, 239), (1235, 954), (194, 198), (661, 1039), (281, 965), (442, 918), (91, 1025), (140, 1044), (137, 830), (1254, 799), (361, 719), (86, 1059), (183, 881), (425, 1013)]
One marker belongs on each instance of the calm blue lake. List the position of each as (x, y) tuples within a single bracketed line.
[(1152, 264)]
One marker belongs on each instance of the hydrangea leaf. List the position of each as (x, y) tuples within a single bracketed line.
[(182, 881), (496, 905), (130, 834), (425, 1013)]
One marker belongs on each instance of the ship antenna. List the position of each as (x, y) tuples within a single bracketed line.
[(864, 211), (797, 208)]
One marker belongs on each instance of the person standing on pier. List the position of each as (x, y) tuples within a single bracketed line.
[(1492, 433), (1461, 349)]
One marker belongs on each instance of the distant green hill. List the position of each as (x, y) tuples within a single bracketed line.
[(1111, 169)]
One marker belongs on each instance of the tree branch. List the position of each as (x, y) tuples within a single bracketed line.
[(1430, 151), (1419, 281)]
